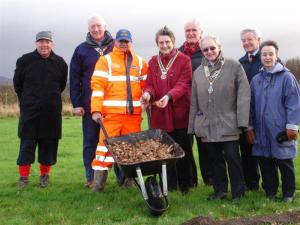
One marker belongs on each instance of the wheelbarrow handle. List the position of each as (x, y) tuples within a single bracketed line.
[(103, 128), (148, 112)]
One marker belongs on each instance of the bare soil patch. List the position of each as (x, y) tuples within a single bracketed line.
[(292, 217)]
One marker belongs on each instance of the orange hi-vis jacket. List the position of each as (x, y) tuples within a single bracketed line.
[(108, 83)]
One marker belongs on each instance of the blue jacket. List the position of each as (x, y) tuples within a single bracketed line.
[(82, 67), (275, 106), (251, 68)]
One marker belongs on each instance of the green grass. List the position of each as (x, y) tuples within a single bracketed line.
[(66, 201)]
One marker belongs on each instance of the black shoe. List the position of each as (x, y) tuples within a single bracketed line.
[(185, 191), (288, 199), (271, 197), (23, 181), (251, 189), (237, 199), (193, 185), (219, 196), (208, 182), (44, 180), (172, 188)]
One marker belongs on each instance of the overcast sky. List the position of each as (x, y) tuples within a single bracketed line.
[(20, 20)]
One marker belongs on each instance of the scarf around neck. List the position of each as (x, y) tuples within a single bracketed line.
[(213, 69), (188, 49), (107, 39), (216, 66)]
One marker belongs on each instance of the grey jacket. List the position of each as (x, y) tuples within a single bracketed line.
[(221, 115)]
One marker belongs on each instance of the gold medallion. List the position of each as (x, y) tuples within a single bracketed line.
[(164, 70), (163, 75)]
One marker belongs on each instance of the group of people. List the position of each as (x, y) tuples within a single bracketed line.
[(243, 115)]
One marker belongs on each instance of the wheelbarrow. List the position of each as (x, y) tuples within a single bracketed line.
[(154, 196)]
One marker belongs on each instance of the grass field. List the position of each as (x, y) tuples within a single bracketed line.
[(66, 201)]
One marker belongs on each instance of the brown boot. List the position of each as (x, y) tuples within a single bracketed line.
[(100, 177), (44, 180), (128, 182), (23, 181), (89, 184)]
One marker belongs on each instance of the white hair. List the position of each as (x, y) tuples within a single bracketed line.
[(210, 37), (253, 31), (195, 22), (96, 17)]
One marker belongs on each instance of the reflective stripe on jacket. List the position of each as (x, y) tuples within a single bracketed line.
[(108, 83)]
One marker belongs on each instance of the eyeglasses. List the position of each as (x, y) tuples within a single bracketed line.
[(209, 48)]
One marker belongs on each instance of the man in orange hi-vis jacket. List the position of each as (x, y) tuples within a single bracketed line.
[(116, 85)]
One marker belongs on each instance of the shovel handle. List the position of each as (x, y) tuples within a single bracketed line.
[(103, 128)]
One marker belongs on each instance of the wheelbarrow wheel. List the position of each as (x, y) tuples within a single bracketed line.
[(157, 202)]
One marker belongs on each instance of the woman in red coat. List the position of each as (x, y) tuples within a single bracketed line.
[(168, 90)]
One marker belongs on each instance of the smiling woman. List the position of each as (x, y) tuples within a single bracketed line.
[(275, 87), (211, 48), (167, 89), (219, 111)]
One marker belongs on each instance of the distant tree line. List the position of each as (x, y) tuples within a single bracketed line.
[(8, 96), (293, 64)]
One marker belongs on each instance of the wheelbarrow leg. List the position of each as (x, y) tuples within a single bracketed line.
[(142, 183), (164, 178)]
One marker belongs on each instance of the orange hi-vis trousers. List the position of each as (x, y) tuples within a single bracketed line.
[(115, 125)]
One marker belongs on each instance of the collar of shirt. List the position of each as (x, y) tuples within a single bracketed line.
[(253, 53)]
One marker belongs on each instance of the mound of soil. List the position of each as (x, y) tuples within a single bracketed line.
[(292, 217)]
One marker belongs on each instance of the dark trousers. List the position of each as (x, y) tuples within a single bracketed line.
[(219, 154), (47, 151), (249, 163), (269, 172), (205, 165), (90, 131), (119, 174), (179, 173)]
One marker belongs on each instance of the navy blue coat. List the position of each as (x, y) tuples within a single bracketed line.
[(251, 68), (82, 67)]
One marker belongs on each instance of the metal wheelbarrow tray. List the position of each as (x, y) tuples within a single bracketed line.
[(155, 199), (149, 166)]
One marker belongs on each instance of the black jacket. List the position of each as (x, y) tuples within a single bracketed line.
[(39, 83), (196, 58)]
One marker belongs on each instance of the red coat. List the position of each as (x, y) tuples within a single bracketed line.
[(178, 84)]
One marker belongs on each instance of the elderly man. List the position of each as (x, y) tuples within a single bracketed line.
[(40, 78), (251, 63), (190, 47), (98, 43), (116, 90)]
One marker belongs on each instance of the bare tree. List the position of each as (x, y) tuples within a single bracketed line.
[(293, 64)]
